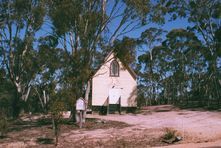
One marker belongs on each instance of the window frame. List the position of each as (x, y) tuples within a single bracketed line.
[(118, 69)]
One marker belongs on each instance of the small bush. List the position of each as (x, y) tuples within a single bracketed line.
[(169, 134), (56, 109)]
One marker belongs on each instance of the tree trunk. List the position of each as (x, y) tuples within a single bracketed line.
[(55, 129), (86, 99), (88, 91)]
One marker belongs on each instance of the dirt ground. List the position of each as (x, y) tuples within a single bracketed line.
[(198, 128)]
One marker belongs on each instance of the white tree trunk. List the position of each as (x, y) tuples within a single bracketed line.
[(87, 91), (86, 99), (45, 99), (27, 94), (40, 99)]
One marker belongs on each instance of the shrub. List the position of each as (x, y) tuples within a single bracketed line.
[(169, 134), (56, 109)]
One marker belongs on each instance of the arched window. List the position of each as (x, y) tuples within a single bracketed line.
[(114, 69)]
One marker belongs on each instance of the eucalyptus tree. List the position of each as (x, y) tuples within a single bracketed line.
[(153, 71), (184, 56), (20, 20), (170, 67), (125, 50), (148, 40), (50, 63), (204, 17)]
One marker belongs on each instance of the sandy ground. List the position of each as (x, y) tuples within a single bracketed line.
[(198, 128)]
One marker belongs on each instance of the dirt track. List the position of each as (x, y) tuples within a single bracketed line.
[(195, 126)]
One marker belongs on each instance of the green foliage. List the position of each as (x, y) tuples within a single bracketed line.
[(7, 93), (169, 134), (21, 20), (218, 40), (3, 124), (72, 16), (125, 50), (56, 108), (139, 8), (141, 101), (151, 35), (205, 17), (173, 67), (195, 64)]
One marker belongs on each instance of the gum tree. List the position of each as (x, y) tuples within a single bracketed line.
[(20, 20)]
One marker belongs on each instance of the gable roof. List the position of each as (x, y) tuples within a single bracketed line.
[(130, 70)]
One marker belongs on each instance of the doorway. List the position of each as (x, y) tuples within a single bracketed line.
[(114, 103)]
